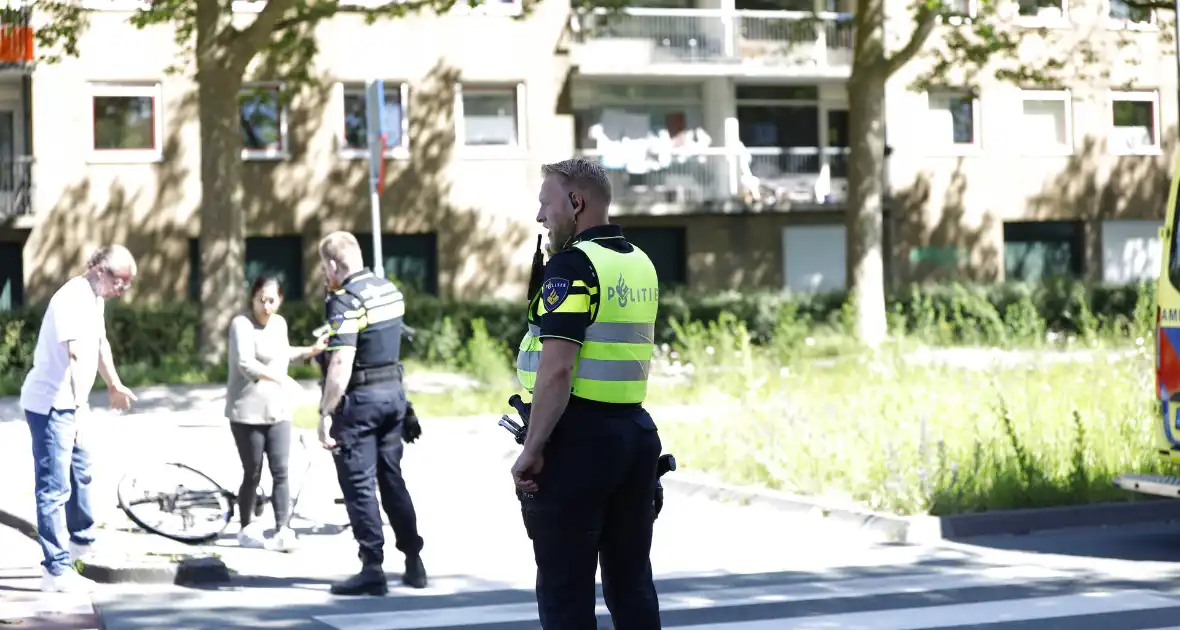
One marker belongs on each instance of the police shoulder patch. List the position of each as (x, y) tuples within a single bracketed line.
[(553, 293)]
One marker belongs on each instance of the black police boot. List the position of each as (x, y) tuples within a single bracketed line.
[(415, 574), (370, 581)]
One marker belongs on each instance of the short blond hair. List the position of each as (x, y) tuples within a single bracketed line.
[(341, 247), (585, 176)]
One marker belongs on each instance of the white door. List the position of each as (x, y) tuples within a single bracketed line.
[(814, 258)]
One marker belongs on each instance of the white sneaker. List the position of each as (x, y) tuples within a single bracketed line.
[(85, 552), (284, 540), (68, 582), (252, 537)]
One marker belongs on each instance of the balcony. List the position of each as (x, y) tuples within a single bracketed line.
[(713, 42), (719, 179), (16, 188), (16, 36)]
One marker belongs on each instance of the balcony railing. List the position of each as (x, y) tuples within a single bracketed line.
[(16, 187), (771, 39), (671, 181)]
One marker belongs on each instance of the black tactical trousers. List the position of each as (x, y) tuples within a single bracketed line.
[(594, 504), (368, 431)]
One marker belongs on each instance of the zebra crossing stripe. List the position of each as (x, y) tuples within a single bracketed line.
[(995, 612), (690, 600)]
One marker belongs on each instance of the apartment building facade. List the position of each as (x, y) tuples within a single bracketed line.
[(724, 125)]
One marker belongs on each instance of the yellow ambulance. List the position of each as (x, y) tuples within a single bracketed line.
[(1167, 359)]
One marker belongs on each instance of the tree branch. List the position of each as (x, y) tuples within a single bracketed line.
[(255, 37), (926, 19), (310, 13), (392, 9)]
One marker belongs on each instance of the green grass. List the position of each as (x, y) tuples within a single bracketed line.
[(909, 439)]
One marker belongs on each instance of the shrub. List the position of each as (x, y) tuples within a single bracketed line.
[(162, 339)]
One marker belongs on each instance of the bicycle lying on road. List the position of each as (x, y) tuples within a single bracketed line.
[(180, 494)]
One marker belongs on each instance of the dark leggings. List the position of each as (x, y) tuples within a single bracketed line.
[(275, 441)]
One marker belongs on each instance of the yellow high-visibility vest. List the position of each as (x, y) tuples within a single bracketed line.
[(615, 359)]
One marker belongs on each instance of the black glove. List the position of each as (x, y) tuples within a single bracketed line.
[(411, 430)]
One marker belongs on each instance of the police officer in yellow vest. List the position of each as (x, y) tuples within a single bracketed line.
[(587, 473), (363, 412)]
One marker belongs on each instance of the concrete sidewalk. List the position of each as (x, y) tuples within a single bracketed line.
[(23, 605), (121, 444)]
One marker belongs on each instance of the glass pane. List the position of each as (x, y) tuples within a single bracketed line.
[(281, 256), (259, 115), (124, 122), (356, 124), (11, 276), (1044, 123), (409, 260), (489, 118), (1037, 260)]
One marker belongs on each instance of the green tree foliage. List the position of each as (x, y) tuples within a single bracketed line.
[(217, 53), (954, 51)]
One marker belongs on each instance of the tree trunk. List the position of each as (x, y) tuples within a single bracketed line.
[(223, 231), (866, 98)]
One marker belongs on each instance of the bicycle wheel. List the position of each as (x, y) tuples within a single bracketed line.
[(176, 501)]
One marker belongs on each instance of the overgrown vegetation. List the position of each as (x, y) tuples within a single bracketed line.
[(769, 390)]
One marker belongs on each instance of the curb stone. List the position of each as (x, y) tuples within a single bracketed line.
[(185, 571), (926, 529)]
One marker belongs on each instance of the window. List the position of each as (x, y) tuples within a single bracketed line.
[(1124, 15), (12, 276), (127, 125), (354, 139), (279, 255), (1047, 125), (1043, 10), (954, 120), (1041, 250), (263, 122), (1130, 250), (666, 247), (491, 116), (194, 269), (814, 259), (1135, 126), (409, 260)]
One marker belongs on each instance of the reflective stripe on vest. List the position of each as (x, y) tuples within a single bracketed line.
[(615, 359)]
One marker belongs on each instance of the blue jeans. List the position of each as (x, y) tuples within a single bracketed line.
[(62, 472)]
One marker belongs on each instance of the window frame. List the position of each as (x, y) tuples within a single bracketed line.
[(132, 89), (400, 151), (1121, 24), (1136, 96), (1036, 21), (518, 150), (284, 150), (1065, 96), (938, 147)]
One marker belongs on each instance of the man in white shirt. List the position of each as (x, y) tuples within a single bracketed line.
[(71, 350)]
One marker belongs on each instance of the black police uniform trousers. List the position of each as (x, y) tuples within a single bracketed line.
[(594, 504), (367, 427)]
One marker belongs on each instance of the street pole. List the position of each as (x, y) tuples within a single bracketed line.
[(375, 119)]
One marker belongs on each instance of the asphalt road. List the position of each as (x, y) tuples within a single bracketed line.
[(720, 566), (1078, 580)]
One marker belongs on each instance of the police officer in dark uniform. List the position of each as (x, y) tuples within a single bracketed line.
[(588, 471), (363, 410)]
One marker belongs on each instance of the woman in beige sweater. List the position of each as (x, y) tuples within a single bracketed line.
[(260, 405)]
